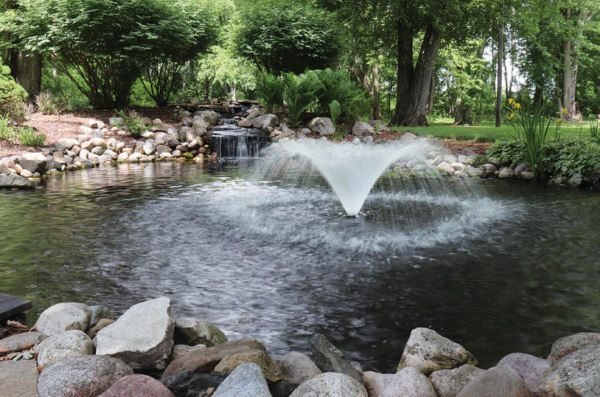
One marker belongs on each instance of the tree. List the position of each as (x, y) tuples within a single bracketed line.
[(104, 42), (286, 36)]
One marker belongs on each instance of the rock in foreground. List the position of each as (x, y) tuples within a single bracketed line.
[(497, 382), (192, 331), (572, 343), (330, 359), (298, 368), (247, 380), (331, 385), (409, 382), (137, 386), (18, 378), (448, 383), (65, 316), (530, 368), (64, 345)]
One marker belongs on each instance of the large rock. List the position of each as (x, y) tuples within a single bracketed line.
[(88, 376), (429, 351), (192, 331), (531, 368), (378, 126), (409, 382), (149, 147), (137, 386), (67, 344), (181, 350), (448, 383), (376, 383), (572, 343), (211, 117), (21, 341), (267, 120), (497, 382), (576, 374), (247, 380), (520, 169), (321, 125), (33, 166), (65, 316), (507, 173), (14, 181), (298, 368), (330, 359), (331, 385), (18, 378), (362, 129), (188, 383), (142, 337), (268, 366), (205, 360)]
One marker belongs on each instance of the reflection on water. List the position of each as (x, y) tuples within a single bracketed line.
[(208, 239)]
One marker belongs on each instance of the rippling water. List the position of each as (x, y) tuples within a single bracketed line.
[(499, 267)]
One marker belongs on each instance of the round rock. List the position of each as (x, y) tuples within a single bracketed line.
[(331, 384), (448, 383), (268, 366), (531, 368), (298, 368), (64, 345), (64, 317), (192, 331), (409, 382), (246, 380), (137, 386), (497, 382)]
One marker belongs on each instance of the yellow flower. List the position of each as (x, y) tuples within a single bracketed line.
[(558, 121), (565, 111), (511, 101), (512, 116), (518, 105)]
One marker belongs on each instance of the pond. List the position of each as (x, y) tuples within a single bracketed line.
[(498, 267)]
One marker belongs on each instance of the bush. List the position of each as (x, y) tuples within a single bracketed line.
[(101, 45), (270, 90), (133, 123), (287, 36), (336, 86), (334, 111), (12, 95), (299, 93), (48, 104), (28, 136)]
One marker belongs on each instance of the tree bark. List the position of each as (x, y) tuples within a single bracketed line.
[(27, 72), (499, 79), (376, 103), (368, 76), (432, 88), (410, 107)]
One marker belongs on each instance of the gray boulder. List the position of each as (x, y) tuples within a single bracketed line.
[(192, 331), (572, 343), (149, 147), (267, 120), (253, 113), (507, 173), (520, 168), (448, 383), (65, 316), (497, 382), (490, 168), (449, 158), (21, 341), (331, 385), (86, 376), (142, 337), (531, 368), (409, 382), (378, 126), (14, 181), (211, 117), (329, 358), (576, 374), (298, 368), (476, 172), (64, 345), (288, 132), (67, 143), (321, 125), (18, 378), (429, 351), (362, 129), (376, 383), (246, 380), (575, 180), (269, 367), (407, 137), (98, 313)]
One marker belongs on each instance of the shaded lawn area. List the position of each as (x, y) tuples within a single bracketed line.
[(487, 132)]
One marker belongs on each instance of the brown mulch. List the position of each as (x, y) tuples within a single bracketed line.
[(69, 125)]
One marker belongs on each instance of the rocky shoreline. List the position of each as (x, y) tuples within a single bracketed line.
[(80, 350), (108, 145)]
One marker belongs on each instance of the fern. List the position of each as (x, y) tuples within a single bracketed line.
[(270, 90), (334, 110), (299, 96)]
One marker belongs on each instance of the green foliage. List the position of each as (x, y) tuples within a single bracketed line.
[(7, 130), (335, 110), (594, 130), (12, 95), (19, 134), (286, 36), (336, 86), (102, 45), (338, 135), (571, 156), (508, 152), (48, 104), (133, 122), (270, 90), (299, 93)]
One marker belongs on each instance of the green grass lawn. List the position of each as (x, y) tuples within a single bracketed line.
[(487, 132)]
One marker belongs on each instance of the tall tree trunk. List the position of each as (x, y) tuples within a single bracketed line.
[(368, 76), (538, 98), (432, 88), (410, 109), (375, 103), (499, 90), (27, 72)]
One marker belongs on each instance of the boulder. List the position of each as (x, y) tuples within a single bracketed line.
[(142, 337), (407, 137), (163, 149), (298, 368), (267, 120), (211, 117), (429, 351), (468, 152), (520, 168), (527, 176), (576, 374), (67, 143), (137, 386), (188, 383), (409, 382), (448, 383), (331, 385), (507, 173), (34, 157), (26, 174), (192, 331), (572, 343), (362, 129), (149, 147), (18, 378), (449, 158), (378, 126), (268, 366), (321, 125), (531, 368), (105, 322), (98, 142), (575, 180), (14, 181), (330, 359), (98, 313), (376, 383), (87, 376), (205, 360), (65, 316), (180, 350), (253, 113), (288, 132), (67, 344), (21, 341), (245, 123), (497, 382), (246, 380), (490, 168), (476, 172)]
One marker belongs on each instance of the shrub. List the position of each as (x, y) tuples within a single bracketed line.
[(7, 130), (28, 136), (336, 86), (287, 36), (48, 104), (334, 111), (270, 90), (133, 122), (507, 152), (299, 93), (12, 95), (567, 157)]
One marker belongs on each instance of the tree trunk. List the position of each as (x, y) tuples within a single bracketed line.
[(375, 103), (410, 108), (499, 90), (538, 98), (27, 72), (568, 96), (432, 89), (233, 91), (369, 80)]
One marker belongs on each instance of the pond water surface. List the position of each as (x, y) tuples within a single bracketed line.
[(497, 267)]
